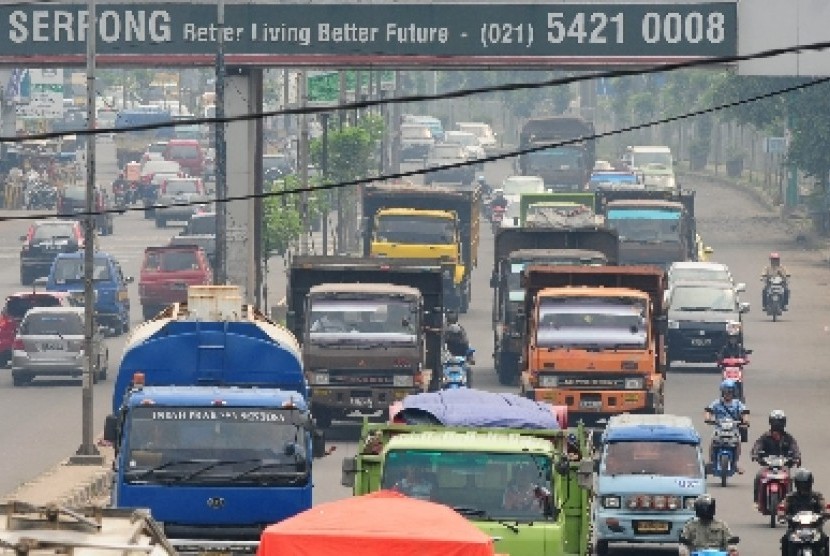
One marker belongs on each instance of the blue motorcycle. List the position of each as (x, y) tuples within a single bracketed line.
[(716, 551), (456, 371), (725, 442)]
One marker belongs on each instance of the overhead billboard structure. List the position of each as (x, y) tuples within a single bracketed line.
[(772, 24), (375, 34)]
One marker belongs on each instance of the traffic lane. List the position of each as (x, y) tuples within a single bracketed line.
[(44, 421), (786, 370)]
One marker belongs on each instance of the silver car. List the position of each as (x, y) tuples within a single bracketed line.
[(190, 192), (50, 342)]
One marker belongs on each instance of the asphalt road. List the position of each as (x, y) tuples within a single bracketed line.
[(42, 423)]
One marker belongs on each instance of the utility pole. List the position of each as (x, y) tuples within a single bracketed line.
[(87, 453), (303, 156), (341, 121), (220, 273), (324, 170)]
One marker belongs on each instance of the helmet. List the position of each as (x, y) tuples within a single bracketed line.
[(498, 192), (705, 507), (774, 257), (777, 420), (454, 328), (728, 385), (803, 480)]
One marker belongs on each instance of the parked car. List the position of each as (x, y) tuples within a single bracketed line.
[(72, 204), (50, 342), (41, 244), (15, 308), (188, 153), (112, 301), (188, 193), (167, 272)]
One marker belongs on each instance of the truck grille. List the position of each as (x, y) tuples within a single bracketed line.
[(594, 382), (349, 377)]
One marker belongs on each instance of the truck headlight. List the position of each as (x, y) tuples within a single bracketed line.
[(320, 378), (611, 502), (403, 381), (689, 502), (733, 328), (634, 383), (548, 381), (674, 324)]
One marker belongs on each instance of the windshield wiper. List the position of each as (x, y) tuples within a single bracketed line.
[(165, 467), (694, 309), (213, 465), (470, 511), (296, 476)]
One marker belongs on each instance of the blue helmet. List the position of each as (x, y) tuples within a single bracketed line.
[(728, 385)]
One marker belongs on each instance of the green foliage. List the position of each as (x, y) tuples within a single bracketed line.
[(282, 217), (350, 150)]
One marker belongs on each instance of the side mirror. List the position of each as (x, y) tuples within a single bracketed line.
[(348, 471), (741, 287), (708, 250), (23, 238), (735, 539), (744, 307), (748, 351), (318, 444), (111, 429), (129, 280)]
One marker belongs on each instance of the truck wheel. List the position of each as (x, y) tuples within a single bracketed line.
[(21, 378), (26, 278), (602, 548)]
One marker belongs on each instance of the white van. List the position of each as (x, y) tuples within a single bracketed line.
[(485, 134)]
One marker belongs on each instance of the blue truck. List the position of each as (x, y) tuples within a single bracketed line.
[(650, 471), (211, 424)]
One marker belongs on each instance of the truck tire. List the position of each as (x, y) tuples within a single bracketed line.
[(21, 378), (507, 368), (322, 417), (602, 548)]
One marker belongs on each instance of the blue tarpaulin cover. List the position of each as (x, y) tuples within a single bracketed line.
[(465, 407)]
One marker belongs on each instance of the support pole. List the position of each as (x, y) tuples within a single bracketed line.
[(220, 273), (303, 156), (324, 169)]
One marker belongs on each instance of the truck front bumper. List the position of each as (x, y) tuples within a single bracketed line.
[(624, 526), (348, 399), (594, 405)]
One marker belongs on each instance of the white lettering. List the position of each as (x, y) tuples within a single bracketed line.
[(63, 22), (347, 33), (413, 34), (134, 27), (83, 25), (160, 26), (109, 26), (40, 26), (19, 32)]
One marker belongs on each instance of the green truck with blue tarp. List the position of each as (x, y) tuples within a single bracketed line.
[(503, 461)]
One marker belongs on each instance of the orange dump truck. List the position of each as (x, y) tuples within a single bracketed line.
[(594, 339)]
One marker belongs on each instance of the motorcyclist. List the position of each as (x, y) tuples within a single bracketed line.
[(499, 200), (733, 349), (774, 442), (803, 499), (727, 407), (775, 268), (455, 337), (704, 531)]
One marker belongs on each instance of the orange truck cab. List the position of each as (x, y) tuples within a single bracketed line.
[(594, 339)]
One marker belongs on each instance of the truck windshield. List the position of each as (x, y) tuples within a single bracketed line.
[(649, 226), (415, 229), (197, 445), (585, 322), (479, 485), (668, 459), (559, 158), (641, 159), (363, 319)]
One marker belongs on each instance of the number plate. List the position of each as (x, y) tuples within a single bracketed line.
[(52, 346), (590, 404), (651, 527), (361, 402), (732, 374), (701, 341)]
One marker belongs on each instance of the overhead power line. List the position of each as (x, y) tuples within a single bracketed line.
[(491, 158), (461, 93)]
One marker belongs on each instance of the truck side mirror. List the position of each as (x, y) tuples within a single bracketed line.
[(111, 429), (662, 324), (744, 307), (734, 539), (348, 472), (494, 281)]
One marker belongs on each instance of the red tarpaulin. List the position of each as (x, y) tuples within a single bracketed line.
[(383, 523)]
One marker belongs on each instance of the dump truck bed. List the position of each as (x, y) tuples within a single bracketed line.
[(603, 240)]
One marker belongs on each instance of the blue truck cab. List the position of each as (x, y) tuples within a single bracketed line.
[(210, 421), (650, 471), (112, 301)]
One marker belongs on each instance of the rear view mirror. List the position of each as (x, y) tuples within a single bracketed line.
[(318, 443), (744, 307), (348, 472), (111, 429), (129, 280), (734, 539), (741, 287)]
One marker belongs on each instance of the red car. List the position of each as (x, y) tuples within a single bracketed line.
[(15, 308), (188, 153), (167, 272)]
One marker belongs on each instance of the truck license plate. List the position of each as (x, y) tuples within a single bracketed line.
[(651, 526), (51, 346), (361, 402), (590, 404), (701, 341)]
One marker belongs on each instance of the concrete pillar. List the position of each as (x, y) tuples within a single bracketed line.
[(243, 95)]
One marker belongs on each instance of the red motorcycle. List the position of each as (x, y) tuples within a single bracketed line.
[(732, 368), (775, 485)]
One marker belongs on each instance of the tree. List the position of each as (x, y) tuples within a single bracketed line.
[(281, 217), (350, 150)]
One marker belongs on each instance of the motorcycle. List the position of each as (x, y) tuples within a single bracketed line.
[(40, 195), (716, 551), (497, 216), (775, 290), (804, 534), (775, 484), (725, 442), (456, 371), (732, 368)]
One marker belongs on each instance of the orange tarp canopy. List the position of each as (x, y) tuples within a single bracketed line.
[(383, 523)]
